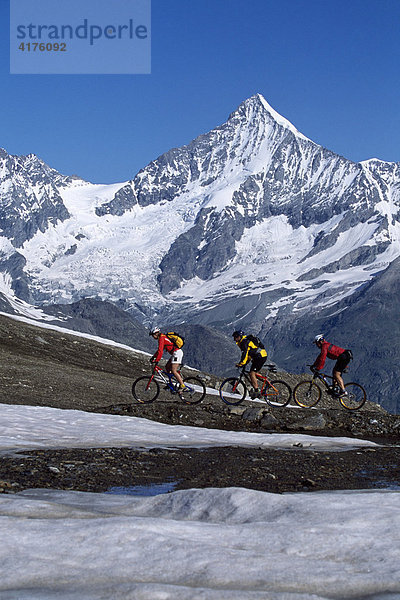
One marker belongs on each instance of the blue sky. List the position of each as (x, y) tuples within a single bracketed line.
[(329, 66)]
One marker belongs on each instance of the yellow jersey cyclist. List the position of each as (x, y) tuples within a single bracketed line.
[(252, 350)]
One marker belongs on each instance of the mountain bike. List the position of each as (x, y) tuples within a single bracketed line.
[(308, 393), (146, 389), (233, 390)]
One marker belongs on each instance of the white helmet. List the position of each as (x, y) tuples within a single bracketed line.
[(318, 338), (154, 330)]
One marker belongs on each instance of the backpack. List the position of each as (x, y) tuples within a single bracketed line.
[(177, 339), (256, 340)]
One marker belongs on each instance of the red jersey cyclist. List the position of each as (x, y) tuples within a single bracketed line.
[(174, 363), (342, 357)]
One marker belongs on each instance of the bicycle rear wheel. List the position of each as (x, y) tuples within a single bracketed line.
[(195, 392), (278, 393), (307, 394), (145, 389), (356, 396), (232, 391)]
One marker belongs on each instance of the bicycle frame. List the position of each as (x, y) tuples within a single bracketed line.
[(159, 373), (265, 381), (146, 389), (322, 377)]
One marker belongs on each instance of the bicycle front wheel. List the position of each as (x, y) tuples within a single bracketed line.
[(232, 391), (145, 389), (307, 394), (278, 393), (195, 392), (355, 398)]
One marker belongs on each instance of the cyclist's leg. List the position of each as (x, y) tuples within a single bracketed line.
[(168, 368), (337, 379), (255, 367), (175, 362), (341, 363)]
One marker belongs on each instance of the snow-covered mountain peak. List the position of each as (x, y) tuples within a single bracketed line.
[(29, 196), (256, 105), (374, 161), (30, 167), (212, 168)]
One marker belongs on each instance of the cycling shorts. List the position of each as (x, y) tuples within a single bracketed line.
[(177, 356), (257, 362), (342, 361)]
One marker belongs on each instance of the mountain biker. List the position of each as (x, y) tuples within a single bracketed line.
[(251, 351), (342, 357), (174, 363)]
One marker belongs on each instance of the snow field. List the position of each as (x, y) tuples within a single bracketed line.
[(198, 544), (42, 427), (208, 544)]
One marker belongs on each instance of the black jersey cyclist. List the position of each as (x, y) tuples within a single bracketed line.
[(252, 350)]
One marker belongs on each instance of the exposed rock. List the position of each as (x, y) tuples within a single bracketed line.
[(269, 421), (313, 422), (253, 414)]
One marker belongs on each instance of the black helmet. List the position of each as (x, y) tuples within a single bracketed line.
[(239, 333)]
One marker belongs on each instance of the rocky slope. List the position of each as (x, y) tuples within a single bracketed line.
[(45, 367)]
